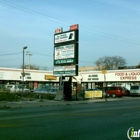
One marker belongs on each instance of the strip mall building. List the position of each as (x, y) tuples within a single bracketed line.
[(88, 79)]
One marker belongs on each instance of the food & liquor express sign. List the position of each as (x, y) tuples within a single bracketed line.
[(128, 76), (66, 54)]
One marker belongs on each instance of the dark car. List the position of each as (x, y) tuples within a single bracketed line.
[(126, 91)]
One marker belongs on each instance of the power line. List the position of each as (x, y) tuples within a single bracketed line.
[(36, 13), (29, 11), (83, 28), (114, 37), (41, 54), (10, 54)]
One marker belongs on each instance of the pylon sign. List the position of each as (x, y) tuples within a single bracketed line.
[(66, 52)]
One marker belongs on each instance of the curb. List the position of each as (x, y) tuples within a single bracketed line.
[(38, 103)]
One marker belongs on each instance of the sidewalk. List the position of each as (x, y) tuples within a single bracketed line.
[(38, 102)]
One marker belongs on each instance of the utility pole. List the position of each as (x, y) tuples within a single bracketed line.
[(29, 54), (23, 73)]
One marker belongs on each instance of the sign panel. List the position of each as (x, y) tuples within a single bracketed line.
[(65, 54), (65, 37), (104, 71), (65, 70), (59, 30), (64, 61), (74, 27), (127, 75), (50, 77), (92, 94)]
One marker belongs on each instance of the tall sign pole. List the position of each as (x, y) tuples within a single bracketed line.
[(66, 53)]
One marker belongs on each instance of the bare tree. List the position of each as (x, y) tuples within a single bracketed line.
[(108, 62), (32, 67), (138, 65)]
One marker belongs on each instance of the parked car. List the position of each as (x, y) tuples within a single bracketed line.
[(126, 91), (24, 90), (37, 90), (114, 91), (46, 90), (16, 88), (12, 88), (134, 90)]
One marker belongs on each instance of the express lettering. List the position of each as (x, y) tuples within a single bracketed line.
[(128, 78)]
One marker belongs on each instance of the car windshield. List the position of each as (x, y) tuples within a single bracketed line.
[(135, 87), (37, 89), (97, 88), (45, 89), (121, 88)]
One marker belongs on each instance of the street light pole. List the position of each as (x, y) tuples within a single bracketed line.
[(23, 74)]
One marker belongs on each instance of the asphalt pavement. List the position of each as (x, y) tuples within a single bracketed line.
[(43, 102)]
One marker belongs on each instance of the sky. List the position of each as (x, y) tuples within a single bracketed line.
[(106, 28)]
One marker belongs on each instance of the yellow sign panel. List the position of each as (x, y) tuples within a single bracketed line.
[(88, 94), (92, 94), (104, 71), (98, 93), (50, 77)]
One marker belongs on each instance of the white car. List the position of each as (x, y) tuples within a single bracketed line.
[(24, 90), (12, 88), (135, 90), (15, 88)]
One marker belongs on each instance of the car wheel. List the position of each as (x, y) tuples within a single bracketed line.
[(113, 95)]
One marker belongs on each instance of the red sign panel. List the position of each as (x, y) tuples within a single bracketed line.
[(74, 27), (59, 30)]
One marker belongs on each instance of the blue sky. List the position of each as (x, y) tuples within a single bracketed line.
[(106, 28)]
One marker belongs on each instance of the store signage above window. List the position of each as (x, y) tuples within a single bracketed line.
[(128, 75), (50, 77)]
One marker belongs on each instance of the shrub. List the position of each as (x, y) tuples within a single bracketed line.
[(5, 96)]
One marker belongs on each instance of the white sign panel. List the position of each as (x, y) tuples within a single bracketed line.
[(68, 36), (64, 68), (64, 52)]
